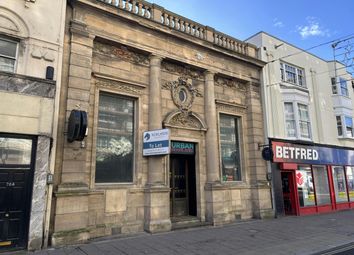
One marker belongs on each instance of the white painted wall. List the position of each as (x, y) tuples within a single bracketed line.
[(318, 94)]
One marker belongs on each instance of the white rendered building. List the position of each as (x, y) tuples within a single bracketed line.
[(309, 125)]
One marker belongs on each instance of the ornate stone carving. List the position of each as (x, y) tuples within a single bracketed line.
[(121, 52), (230, 107), (121, 87), (187, 120), (182, 93), (231, 83), (185, 71)]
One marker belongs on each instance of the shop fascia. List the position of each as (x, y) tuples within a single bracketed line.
[(307, 154)]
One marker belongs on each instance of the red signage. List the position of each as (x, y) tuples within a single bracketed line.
[(299, 178)]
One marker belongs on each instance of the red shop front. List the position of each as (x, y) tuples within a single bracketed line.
[(314, 178)]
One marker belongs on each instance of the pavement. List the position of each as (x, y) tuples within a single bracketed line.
[(316, 234)]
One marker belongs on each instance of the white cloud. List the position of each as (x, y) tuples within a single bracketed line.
[(312, 28), (278, 23)]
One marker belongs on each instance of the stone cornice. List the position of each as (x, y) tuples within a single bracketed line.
[(196, 33)]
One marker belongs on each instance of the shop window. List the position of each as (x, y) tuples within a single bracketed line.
[(340, 187), (8, 53), (292, 74), (230, 147), (115, 139), (350, 181), (321, 184), (305, 186), (297, 121)]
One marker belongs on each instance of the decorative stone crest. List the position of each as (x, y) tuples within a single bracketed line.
[(182, 93)]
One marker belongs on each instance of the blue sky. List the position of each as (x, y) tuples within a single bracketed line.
[(303, 23)]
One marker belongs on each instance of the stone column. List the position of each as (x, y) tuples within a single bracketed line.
[(213, 189), (157, 194), (212, 162), (155, 174)]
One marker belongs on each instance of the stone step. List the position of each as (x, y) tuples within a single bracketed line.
[(187, 222)]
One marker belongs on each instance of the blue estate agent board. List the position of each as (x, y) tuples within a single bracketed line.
[(156, 142), (294, 153)]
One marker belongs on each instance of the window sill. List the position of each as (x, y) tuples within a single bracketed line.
[(346, 138), (128, 185), (299, 139), (293, 86), (340, 95)]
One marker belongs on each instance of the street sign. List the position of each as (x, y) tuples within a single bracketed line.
[(156, 142)]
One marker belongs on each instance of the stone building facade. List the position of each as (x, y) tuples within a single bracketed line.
[(132, 67), (30, 64)]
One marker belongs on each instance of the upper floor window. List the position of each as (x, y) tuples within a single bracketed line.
[(230, 147), (292, 74), (115, 139), (297, 120), (8, 54), (339, 85), (343, 87), (345, 126)]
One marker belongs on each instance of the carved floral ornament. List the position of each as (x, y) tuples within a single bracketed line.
[(230, 83)]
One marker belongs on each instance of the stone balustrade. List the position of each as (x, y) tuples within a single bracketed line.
[(182, 24), (230, 43), (140, 8)]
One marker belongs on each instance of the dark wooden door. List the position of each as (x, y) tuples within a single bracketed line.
[(288, 193), (179, 186), (16, 179)]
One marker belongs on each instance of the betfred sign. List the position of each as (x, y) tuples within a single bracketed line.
[(295, 153), (306, 154)]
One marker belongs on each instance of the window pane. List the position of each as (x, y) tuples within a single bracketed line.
[(339, 184), (15, 151), (230, 148), (304, 121), (115, 139), (349, 126), (350, 180), (7, 65), (8, 48), (321, 184), (339, 125), (290, 124), (305, 187), (343, 86)]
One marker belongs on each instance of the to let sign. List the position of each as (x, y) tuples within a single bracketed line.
[(156, 142)]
